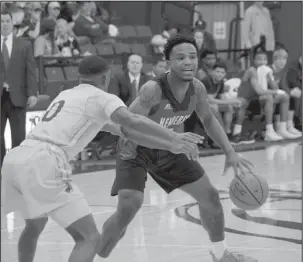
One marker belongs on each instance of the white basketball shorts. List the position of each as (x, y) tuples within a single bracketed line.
[(34, 182)]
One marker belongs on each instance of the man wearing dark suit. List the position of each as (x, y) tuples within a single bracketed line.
[(18, 85), (127, 85)]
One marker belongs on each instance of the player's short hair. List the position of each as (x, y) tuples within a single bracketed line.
[(207, 52), (92, 65), (177, 40), (220, 64)]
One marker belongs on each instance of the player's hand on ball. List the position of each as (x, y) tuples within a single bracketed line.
[(191, 137), (233, 160)]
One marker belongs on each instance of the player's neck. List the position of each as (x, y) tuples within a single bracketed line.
[(178, 86), (134, 75)]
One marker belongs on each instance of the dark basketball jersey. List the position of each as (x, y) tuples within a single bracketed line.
[(169, 113)]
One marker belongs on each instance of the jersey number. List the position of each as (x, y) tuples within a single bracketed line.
[(53, 111)]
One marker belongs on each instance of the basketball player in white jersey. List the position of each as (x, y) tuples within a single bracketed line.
[(37, 175)]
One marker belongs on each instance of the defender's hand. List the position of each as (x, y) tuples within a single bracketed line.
[(190, 149), (191, 137)]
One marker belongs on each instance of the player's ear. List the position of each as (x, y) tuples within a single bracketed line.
[(168, 64)]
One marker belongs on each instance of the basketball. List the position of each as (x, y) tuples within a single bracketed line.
[(248, 191)]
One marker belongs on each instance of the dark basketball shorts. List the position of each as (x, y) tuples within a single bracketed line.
[(169, 170)]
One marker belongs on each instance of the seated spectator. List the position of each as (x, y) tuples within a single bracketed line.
[(45, 44), (208, 39), (208, 59), (127, 85), (65, 39), (294, 83), (159, 41), (280, 56), (92, 27), (52, 10), (30, 28), (157, 44), (214, 84), (159, 66), (250, 90)]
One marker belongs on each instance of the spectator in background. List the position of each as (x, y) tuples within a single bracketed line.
[(257, 22), (159, 66), (92, 27), (208, 59), (45, 44), (159, 41), (208, 39), (65, 39), (250, 89), (127, 85), (294, 83), (214, 84), (53, 10), (280, 57), (30, 28), (19, 87)]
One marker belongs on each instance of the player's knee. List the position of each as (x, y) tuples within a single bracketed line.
[(36, 226), (130, 201), (214, 107), (269, 99)]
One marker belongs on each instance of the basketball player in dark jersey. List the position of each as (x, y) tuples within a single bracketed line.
[(170, 100)]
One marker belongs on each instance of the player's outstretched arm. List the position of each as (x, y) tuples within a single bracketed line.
[(210, 122)]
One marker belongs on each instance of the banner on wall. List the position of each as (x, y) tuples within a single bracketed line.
[(32, 119), (219, 30)]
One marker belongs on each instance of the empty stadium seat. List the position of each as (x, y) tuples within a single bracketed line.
[(127, 31), (144, 31), (121, 48), (54, 74), (71, 72), (104, 49), (139, 49), (88, 48)]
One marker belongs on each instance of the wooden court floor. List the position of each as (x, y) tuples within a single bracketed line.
[(167, 227)]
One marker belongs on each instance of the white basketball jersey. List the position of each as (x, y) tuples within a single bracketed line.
[(75, 117)]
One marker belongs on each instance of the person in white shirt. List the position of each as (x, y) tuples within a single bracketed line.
[(37, 175), (257, 22)]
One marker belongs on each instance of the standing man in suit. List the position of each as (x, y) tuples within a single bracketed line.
[(18, 85), (127, 85)]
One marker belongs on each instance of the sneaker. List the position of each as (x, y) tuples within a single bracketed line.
[(229, 256), (239, 139), (272, 136), (294, 131), (286, 135)]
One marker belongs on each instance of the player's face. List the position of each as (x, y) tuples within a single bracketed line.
[(184, 61), (6, 25), (160, 68), (280, 59), (219, 74), (210, 60), (103, 80), (199, 38), (260, 59), (135, 64)]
